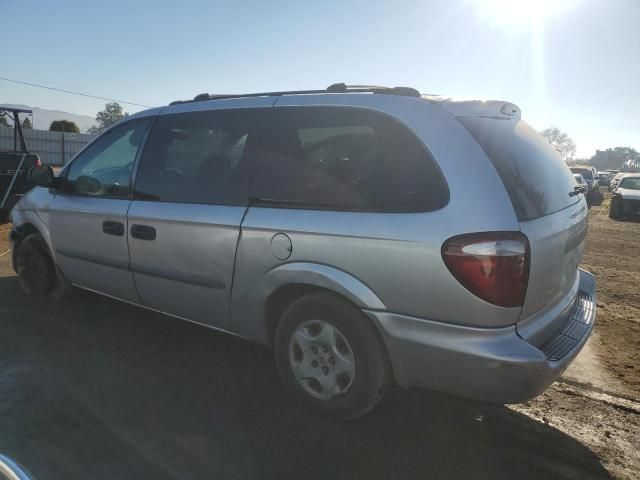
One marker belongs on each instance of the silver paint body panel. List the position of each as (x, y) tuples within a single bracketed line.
[(215, 265)]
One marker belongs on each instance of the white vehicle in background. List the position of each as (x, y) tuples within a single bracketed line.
[(616, 180), (582, 183), (626, 197)]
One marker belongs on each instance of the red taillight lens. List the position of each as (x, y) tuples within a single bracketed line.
[(494, 265), (37, 163)]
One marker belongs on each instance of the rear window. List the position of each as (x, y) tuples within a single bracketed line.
[(536, 178), (345, 159), (632, 183)]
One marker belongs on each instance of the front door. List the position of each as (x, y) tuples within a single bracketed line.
[(88, 219), (191, 193)]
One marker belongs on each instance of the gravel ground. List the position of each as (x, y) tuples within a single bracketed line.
[(94, 388)]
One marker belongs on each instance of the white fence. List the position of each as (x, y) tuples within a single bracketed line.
[(54, 148)]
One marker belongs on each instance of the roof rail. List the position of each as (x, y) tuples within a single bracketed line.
[(335, 88)]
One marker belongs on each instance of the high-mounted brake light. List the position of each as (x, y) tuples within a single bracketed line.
[(493, 266)]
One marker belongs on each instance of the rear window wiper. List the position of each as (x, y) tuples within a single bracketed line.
[(578, 190)]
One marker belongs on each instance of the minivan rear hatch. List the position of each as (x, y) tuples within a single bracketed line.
[(551, 213)]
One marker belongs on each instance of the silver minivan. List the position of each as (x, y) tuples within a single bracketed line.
[(372, 236)]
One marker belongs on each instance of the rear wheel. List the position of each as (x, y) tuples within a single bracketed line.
[(37, 273), (330, 357)]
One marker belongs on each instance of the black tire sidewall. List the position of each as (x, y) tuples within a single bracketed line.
[(372, 366), (34, 244)]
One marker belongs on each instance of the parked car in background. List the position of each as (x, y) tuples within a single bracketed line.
[(613, 172), (581, 183), (615, 180), (604, 178), (338, 226), (590, 175), (14, 165), (625, 199)]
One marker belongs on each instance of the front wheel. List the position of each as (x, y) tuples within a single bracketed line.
[(37, 273), (330, 357), (5, 215)]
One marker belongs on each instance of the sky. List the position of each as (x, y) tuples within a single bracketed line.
[(570, 63)]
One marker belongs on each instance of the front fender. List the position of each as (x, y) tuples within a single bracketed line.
[(33, 209), (248, 309)]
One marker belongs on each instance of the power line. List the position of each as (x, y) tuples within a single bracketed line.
[(73, 93)]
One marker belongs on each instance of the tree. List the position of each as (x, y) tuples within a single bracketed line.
[(3, 119), (111, 114), (26, 124), (63, 126), (560, 141), (615, 158)]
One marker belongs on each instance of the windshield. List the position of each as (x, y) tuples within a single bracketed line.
[(630, 183)]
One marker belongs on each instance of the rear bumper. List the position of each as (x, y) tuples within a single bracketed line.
[(495, 365)]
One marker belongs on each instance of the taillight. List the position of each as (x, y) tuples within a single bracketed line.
[(37, 163), (493, 265)]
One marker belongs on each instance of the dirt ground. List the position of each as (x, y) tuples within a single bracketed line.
[(94, 388), (597, 400)]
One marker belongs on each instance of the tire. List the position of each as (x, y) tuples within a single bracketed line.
[(5, 215), (614, 209), (355, 392), (38, 275)]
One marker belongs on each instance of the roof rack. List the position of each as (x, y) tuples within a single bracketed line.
[(335, 88)]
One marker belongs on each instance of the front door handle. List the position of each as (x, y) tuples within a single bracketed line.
[(113, 228), (143, 232)]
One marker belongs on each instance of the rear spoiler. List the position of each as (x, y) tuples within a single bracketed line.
[(477, 108)]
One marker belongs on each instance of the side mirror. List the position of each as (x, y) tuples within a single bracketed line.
[(41, 176)]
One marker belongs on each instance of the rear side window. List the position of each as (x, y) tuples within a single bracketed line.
[(345, 159), (197, 157), (536, 178)]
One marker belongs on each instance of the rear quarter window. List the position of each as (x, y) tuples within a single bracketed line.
[(536, 178), (339, 158)]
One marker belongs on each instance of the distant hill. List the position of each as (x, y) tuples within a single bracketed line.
[(42, 118)]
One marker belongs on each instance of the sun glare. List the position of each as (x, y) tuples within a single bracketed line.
[(516, 12)]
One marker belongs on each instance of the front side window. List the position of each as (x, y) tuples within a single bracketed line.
[(105, 167), (345, 159), (197, 157)]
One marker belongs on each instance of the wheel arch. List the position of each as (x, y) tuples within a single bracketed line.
[(19, 233), (256, 313)]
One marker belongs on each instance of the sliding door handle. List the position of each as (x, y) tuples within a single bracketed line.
[(143, 232)]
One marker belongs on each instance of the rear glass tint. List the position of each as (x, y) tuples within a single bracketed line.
[(536, 178), (345, 159)]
